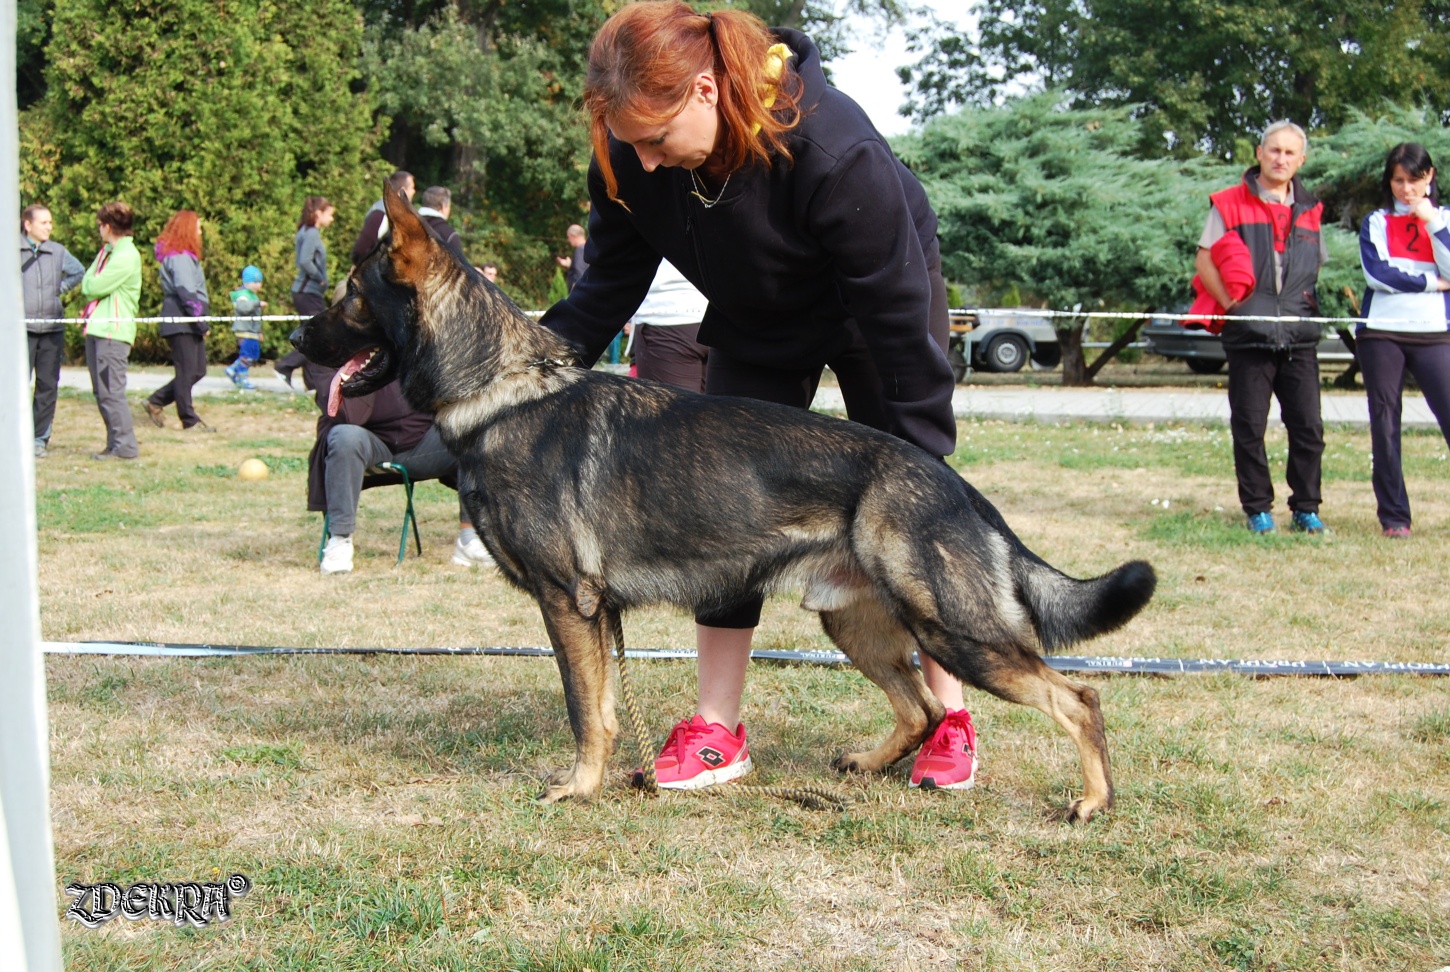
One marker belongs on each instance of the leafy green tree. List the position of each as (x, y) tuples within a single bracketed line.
[(32, 32), (236, 110), (483, 98), (834, 25), (1202, 73)]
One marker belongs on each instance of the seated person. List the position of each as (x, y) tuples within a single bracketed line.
[(367, 430)]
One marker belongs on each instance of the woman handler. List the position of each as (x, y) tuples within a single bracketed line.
[(719, 146)]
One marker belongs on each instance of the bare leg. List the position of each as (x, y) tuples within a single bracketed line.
[(723, 656), (943, 684)]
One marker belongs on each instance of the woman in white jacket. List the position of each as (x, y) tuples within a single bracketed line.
[(1405, 250)]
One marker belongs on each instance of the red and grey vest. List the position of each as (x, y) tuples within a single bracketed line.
[(1293, 233)]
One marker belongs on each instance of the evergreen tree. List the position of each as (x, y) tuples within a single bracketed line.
[(237, 109), (1055, 205)]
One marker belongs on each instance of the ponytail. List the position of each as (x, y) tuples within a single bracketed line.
[(644, 61)]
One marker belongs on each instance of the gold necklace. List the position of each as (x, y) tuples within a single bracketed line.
[(699, 191)]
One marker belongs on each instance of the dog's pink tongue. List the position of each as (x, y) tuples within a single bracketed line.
[(353, 366)]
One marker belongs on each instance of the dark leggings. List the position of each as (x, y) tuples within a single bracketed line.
[(1383, 361)]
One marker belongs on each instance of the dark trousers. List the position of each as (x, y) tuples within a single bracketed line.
[(1254, 376), (308, 305), (670, 354), (1383, 361), (860, 385), (47, 351), (188, 361)]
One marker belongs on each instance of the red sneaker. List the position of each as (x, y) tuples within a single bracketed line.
[(948, 760), (700, 754)]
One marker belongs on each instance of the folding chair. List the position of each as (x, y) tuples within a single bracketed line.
[(385, 474)]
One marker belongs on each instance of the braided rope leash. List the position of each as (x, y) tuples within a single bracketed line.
[(644, 777), (810, 797)]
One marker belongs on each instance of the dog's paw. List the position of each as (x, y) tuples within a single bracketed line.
[(1081, 811), (564, 785), (853, 763)]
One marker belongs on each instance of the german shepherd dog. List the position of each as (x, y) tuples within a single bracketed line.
[(597, 493)]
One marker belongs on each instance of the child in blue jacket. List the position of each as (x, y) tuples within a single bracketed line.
[(247, 308)]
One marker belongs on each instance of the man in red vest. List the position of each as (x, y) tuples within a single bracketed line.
[(1278, 220)]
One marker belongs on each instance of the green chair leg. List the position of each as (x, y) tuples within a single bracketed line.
[(326, 532), (408, 515)]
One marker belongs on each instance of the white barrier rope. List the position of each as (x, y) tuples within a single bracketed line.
[(987, 314)]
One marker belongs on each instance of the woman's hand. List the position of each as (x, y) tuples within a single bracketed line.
[(1442, 284), (1425, 210)]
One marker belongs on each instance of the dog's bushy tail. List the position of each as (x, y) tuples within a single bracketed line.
[(1066, 610)]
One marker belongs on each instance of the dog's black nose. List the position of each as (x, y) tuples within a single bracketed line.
[(295, 336)]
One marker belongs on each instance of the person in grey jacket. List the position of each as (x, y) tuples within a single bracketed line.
[(47, 270), (183, 295), (309, 290)]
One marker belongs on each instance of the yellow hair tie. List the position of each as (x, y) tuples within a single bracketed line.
[(775, 60)]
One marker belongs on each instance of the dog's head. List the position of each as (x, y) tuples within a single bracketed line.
[(415, 310), (371, 331)]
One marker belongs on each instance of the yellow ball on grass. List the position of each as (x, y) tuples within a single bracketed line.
[(252, 470)]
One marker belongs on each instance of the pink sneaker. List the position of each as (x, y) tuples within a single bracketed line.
[(948, 760), (700, 754)]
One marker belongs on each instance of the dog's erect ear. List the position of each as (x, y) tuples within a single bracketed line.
[(411, 243)]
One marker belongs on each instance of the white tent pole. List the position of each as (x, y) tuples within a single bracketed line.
[(29, 930)]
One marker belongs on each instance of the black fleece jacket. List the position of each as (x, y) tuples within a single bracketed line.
[(791, 255)]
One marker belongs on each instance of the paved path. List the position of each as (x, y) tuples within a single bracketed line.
[(1014, 404), (1136, 406)]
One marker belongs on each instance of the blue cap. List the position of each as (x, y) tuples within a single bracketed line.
[(251, 274)]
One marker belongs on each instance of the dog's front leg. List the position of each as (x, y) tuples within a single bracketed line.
[(582, 654)]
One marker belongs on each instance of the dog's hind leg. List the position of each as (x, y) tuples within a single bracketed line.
[(582, 653), (880, 647), (1025, 678)]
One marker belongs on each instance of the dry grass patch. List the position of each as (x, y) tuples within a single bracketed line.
[(383, 806)]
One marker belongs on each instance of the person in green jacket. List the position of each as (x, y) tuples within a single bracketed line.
[(113, 284)]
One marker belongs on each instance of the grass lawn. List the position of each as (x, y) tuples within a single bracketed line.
[(383, 806)]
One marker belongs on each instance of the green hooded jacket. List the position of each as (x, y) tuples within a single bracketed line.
[(117, 290)]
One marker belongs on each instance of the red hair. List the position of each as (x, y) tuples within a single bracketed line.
[(643, 64), (182, 234)]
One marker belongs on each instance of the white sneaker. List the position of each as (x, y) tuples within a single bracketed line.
[(337, 555), (472, 554)]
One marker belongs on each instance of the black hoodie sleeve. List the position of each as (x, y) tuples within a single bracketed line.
[(621, 267)]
